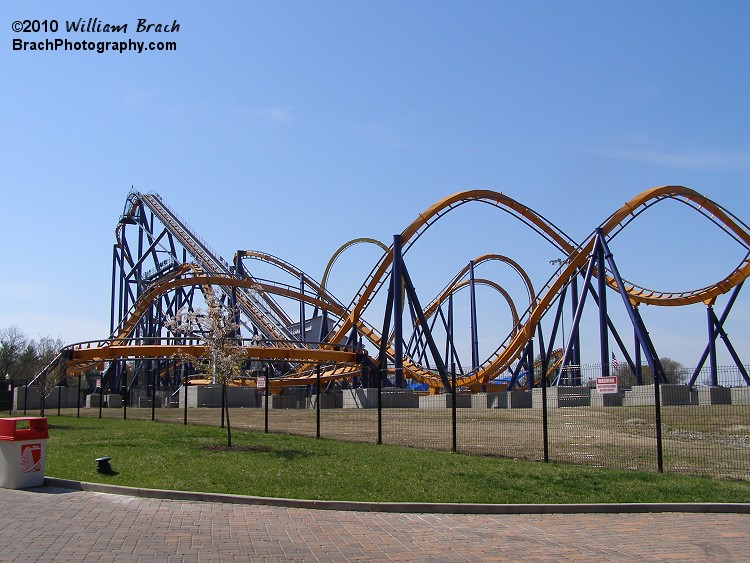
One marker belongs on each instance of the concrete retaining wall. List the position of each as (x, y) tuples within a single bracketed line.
[(511, 400), (68, 398), (606, 399), (391, 399), (209, 396), (643, 395), (740, 395), (445, 401), (148, 402), (328, 401), (562, 397), (142, 398), (113, 401), (93, 400), (714, 396)]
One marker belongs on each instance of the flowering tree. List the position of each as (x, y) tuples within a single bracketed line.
[(216, 330)]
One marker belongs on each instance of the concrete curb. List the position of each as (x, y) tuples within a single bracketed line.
[(402, 507)]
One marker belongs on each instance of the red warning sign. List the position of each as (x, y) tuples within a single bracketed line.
[(606, 384), (31, 458)]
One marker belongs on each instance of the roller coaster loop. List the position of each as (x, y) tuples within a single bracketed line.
[(160, 265)]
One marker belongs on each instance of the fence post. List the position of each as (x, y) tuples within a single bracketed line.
[(657, 401), (265, 394), (78, 403), (380, 405), (317, 402), (59, 396), (153, 391), (101, 393), (545, 430), (453, 406), (223, 401), (185, 385)]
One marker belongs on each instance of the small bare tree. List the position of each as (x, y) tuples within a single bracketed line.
[(46, 351), (216, 330)]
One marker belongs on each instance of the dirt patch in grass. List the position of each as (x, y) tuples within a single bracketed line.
[(225, 448)]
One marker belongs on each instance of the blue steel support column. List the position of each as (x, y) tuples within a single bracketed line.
[(323, 326), (638, 370), (613, 332), (233, 306), (635, 318), (648, 347), (239, 272), (398, 306), (712, 346), (575, 338), (556, 324), (382, 353), (474, 334), (449, 332), (122, 297), (440, 366), (720, 323), (732, 351), (602, 283), (542, 355), (530, 376), (139, 263), (571, 350), (302, 308), (114, 288), (233, 301)]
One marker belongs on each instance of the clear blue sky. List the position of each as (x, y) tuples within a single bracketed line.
[(291, 127)]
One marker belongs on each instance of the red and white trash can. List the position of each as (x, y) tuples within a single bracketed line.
[(23, 449)]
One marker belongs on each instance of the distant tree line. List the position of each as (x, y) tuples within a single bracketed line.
[(22, 358), (674, 371)]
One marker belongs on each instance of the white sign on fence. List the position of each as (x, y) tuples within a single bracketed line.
[(261, 382), (606, 384)]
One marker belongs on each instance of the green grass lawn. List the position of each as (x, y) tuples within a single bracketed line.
[(192, 458)]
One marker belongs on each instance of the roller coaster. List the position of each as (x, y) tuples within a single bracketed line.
[(305, 335)]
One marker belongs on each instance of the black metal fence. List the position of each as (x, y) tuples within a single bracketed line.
[(700, 431)]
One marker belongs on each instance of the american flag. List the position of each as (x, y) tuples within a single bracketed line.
[(614, 363)]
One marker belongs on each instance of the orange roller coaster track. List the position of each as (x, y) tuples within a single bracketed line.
[(140, 299)]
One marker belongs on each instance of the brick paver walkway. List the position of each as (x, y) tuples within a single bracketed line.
[(49, 524)]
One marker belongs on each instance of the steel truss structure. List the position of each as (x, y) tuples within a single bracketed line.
[(161, 266)]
